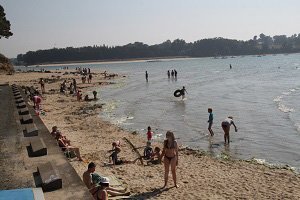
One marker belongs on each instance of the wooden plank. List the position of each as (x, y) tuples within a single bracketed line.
[(134, 149)]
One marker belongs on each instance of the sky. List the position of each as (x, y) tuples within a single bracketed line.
[(45, 24)]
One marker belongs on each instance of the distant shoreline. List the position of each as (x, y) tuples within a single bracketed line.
[(152, 59)]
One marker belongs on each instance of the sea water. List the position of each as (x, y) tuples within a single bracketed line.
[(262, 93)]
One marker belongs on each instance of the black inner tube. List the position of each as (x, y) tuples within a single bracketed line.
[(177, 93)]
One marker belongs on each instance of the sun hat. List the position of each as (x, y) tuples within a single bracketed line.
[(104, 180)]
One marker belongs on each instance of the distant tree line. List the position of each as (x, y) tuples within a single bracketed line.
[(261, 44)]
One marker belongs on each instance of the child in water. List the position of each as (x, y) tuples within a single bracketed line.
[(210, 121), (149, 134), (183, 91)]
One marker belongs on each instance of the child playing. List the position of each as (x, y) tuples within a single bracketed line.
[(149, 134), (210, 121), (156, 157), (148, 151)]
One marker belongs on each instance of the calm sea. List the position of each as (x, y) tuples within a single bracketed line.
[(261, 93)]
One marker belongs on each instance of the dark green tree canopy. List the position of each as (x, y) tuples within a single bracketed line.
[(215, 47), (4, 25)]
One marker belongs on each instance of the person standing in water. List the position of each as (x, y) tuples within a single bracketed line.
[(170, 154), (210, 121), (226, 128), (183, 91), (230, 66), (146, 74)]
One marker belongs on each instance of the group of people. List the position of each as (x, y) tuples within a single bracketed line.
[(72, 87), (169, 154), (65, 144), (172, 74), (99, 185), (225, 125), (88, 78)]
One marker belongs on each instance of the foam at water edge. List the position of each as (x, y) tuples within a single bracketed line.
[(280, 166)]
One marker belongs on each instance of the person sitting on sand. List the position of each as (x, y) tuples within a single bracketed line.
[(116, 149), (66, 146), (170, 154), (86, 98), (148, 151), (155, 157), (79, 95), (92, 185), (226, 128), (54, 131), (59, 135)]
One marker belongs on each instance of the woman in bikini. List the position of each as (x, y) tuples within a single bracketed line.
[(170, 154)]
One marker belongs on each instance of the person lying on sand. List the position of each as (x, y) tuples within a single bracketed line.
[(91, 184)]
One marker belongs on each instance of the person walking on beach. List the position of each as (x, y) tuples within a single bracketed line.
[(170, 154), (210, 121), (146, 74), (168, 74), (74, 85), (42, 82), (226, 128), (183, 91), (37, 102), (175, 73)]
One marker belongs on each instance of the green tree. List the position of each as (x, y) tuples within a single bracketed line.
[(4, 25)]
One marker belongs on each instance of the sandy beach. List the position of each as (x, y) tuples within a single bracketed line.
[(199, 176)]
